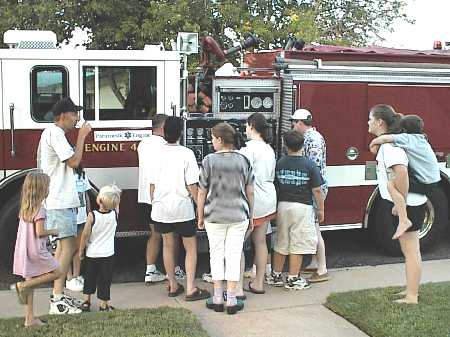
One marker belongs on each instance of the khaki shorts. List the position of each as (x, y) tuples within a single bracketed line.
[(296, 230)]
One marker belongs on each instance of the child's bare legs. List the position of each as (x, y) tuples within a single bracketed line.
[(278, 262), (260, 260), (30, 320), (29, 286), (409, 243), (295, 262), (400, 208)]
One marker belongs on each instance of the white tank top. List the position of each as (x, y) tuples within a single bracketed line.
[(101, 242)]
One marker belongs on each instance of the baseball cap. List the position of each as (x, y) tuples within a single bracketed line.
[(301, 115), (65, 105)]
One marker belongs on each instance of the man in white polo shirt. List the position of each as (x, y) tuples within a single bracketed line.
[(56, 157)]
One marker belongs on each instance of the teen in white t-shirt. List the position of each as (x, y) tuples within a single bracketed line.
[(173, 190)]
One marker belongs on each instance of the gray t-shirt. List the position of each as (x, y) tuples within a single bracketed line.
[(224, 175), (422, 160)]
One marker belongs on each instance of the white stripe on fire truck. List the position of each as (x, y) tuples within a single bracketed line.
[(337, 176)]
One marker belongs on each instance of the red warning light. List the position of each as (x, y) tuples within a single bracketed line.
[(437, 45)]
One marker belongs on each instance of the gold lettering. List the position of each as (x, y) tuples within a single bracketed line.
[(107, 147), (133, 147)]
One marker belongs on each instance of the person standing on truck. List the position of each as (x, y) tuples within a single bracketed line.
[(315, 149), (173, 191), (423, 170), (148, 151), (56, 158), (262, 159), (392, 166)]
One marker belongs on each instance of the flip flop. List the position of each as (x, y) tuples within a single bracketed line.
[(177, 292), (254, 291), (198, 294)]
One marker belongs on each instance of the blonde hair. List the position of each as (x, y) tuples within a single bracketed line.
[(34, 191), (109, 196)]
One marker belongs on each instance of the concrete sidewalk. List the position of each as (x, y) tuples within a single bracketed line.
[(278, 313)]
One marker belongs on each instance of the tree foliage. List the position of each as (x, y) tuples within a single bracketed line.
[(130, 24)]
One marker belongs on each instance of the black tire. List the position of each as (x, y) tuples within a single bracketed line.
[(433, 228), (8, 230)]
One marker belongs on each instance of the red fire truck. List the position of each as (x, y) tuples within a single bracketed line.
[(121, 90)]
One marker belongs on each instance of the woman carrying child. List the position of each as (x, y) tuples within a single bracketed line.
[(98, 236), (225, 209), (392, 171), (262, 159), (32, 260)]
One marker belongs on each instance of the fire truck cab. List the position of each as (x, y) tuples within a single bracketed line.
[(120, 91)]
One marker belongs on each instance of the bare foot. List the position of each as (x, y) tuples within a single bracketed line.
[(401, 293), (401, 229), (35, 322), (407, 300)]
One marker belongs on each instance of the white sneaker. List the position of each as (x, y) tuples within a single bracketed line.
[(297, 283), (62, 307), (75, 284), (154, 276), (268, 278), (207, 278), (179, 273)]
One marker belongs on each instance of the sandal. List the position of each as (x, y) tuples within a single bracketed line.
[(107, 308), (177, 292), (85, 306), (253, 290), (198, 294)]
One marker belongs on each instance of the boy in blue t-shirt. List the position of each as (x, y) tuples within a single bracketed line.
[(423, 164), (297, 180)]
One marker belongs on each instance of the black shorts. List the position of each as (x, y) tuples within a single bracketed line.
[(416, 215), (145, 213), (186, 229)]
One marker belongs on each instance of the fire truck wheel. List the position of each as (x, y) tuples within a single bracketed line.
[(8, 230), (434, 225)]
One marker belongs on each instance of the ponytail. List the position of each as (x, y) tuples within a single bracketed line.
[(259, 123), (387, 114)]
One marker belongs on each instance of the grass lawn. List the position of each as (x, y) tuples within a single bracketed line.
[(161, 322), (374, 313)]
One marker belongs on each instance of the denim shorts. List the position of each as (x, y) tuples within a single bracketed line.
[(64, 220)]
